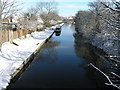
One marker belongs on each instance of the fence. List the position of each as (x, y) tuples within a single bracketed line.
[(9, 35)]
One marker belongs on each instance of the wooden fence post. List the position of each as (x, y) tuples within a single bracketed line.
[(0, 37)]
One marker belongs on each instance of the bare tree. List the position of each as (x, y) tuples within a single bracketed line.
[(33, 10), (96, 8), (112, 18), (106, 22), (85, 24), (110, 15), (112, 9), (7, 8), (46, 10), (40, 15), (47, 7)]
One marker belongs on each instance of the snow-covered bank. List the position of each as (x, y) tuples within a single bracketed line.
[(12, 55)]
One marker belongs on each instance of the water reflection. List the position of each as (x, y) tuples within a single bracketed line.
[(62, 63), (57, 33), (48, 51), (91, 55)]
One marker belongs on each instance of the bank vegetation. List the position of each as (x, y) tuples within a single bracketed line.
[(100, 26)]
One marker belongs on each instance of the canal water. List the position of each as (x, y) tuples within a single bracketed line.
[(63, 63)]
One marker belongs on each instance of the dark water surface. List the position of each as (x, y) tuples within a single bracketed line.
[(63, 63)]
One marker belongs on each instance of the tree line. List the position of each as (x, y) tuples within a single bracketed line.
[(101, 25), (43, 14), (13, 17)]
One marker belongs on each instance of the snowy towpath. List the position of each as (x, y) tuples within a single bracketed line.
[(12, 56)]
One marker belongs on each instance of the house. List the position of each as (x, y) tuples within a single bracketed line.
[(8, 22), (5, 21), (71, 19)]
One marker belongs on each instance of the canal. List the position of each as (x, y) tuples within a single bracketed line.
[(63, 62)]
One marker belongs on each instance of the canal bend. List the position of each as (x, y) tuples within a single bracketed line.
[(63, 62)]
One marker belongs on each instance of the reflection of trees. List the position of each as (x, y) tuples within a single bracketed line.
[(48, 52), (89, 53), (93, 55)]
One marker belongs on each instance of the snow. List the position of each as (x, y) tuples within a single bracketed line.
[(106, 41), (12, 56)]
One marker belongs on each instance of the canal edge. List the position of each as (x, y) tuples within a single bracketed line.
[(27, 62)]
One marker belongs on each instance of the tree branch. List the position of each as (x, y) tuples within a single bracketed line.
[(115, 10), (106, 20), (107, 77)]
